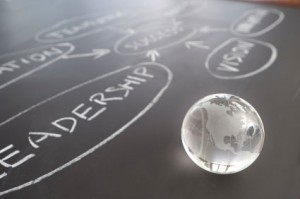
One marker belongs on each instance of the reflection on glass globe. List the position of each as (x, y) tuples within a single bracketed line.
[(222, 133)]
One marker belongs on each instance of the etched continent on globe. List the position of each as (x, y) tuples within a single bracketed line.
[(222, 134)]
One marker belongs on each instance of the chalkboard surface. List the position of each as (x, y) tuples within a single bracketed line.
[(93, 95)]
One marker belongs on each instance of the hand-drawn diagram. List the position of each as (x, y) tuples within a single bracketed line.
[(149, 39), (87, 109), (98, 106)]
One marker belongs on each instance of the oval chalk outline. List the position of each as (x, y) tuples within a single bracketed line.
[(30, 72), (109, 138), (66, 21), (263, 31), (257, 71), (119, 42)]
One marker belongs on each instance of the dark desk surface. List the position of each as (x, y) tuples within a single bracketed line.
[(93, 94)]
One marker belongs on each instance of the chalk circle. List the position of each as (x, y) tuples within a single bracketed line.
[(255, 69)]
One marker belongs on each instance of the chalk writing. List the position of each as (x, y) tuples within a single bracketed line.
[(84, 112), (19, 65), (42, 136), (234, 59), (4, 161), (251, 21), (185, 8), (21, 62), (94, 106), (153, 38), (80, 26), (147, 40), (257, 22)]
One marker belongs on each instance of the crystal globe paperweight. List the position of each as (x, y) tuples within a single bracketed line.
[(222, 133)]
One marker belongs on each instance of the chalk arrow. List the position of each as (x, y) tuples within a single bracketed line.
[(152, 54), (208, 29), (175, 22), (197, 44), (96, 53)]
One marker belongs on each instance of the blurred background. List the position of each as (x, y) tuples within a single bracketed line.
[(286, 2)]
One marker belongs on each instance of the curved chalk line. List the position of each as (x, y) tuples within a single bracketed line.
[(59, 94), (273, 57), (40, 66)]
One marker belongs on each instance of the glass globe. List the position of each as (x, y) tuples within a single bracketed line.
[(222, 133)]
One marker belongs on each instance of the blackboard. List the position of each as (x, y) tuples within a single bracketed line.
[(93, 95)]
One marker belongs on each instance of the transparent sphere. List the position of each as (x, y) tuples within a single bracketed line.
[(222, 133)]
